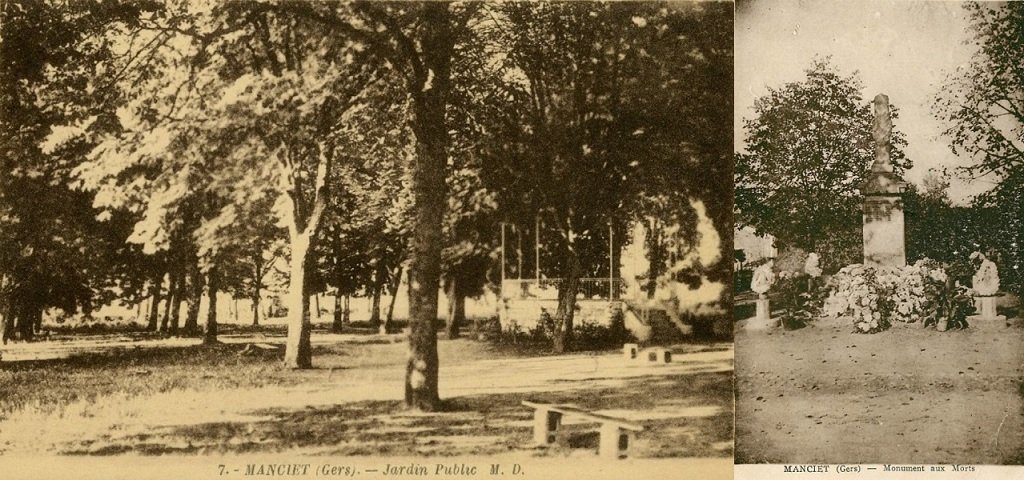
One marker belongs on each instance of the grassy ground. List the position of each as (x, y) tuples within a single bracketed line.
[(822, 394), (190, 399)]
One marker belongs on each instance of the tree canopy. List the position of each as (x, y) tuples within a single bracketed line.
[(808, 152), (982, 106)]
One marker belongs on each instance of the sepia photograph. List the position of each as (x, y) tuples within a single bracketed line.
[(450, 239), (879, 252)]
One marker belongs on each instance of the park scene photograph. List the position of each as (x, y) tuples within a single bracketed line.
[(879, 247), (427, 230)]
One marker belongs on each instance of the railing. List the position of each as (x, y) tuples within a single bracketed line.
[(547, 288)]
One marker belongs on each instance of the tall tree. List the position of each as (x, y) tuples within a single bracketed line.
[(420, 40), (221, 111), (982, 105), (53, 252), (807, 155)]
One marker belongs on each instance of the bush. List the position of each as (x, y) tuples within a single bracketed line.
[(801, 296), (544, 330), (586, 335), (591, 336), (742, 280), (77, 323)]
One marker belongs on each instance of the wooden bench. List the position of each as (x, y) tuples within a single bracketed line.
[(616, 434)]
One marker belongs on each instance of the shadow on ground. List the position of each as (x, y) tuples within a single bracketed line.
[(471, 425)]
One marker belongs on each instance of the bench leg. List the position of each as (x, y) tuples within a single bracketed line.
[(614, 442), (545, 426), (630, 351)]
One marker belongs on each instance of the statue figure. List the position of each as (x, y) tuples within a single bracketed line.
[(811, 266), (985, 284), (763, 279), (986, 280)]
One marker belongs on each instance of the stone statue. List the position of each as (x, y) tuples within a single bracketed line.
[(763, 279), (985, 284), (986, 280), (811, 266)]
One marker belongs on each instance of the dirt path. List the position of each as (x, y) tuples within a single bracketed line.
[(909, 395), (348, 408)]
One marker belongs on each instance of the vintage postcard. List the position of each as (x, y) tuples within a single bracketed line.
[(302, 239), (880, 236)]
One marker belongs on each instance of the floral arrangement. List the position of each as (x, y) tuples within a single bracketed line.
[(875, 297), (855, 291)]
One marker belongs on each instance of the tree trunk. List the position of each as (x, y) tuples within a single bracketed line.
[(154, 306), (430, 96), (566, 311), (212, 284), (6, 320), (171, 297), (316, 299), (256, 306), (26, 320), (195, 296), (37, 322), (347, 315), (395, 282), (655, 252), (375, 306), (179, 298), (456, 308), (257, 282), (337, 325), (298, 352)]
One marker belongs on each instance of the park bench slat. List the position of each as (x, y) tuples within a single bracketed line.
[(597, 417)]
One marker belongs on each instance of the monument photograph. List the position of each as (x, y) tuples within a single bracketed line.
[(879, 248), (307, 239)]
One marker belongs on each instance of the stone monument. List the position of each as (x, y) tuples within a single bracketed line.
[(985, 284), (763, 279), (884, 242)]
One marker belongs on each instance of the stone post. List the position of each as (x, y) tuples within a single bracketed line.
[(764, 313), (884, 241)]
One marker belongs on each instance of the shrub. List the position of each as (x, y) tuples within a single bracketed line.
[(587, 335), (591, 336), (742, 280), (801, 296)]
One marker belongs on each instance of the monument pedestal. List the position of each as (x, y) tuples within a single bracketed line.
[(987, 318), (884, 230), (763, 318)]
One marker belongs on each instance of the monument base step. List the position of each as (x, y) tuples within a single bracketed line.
[(760, 324), (977, 322)]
